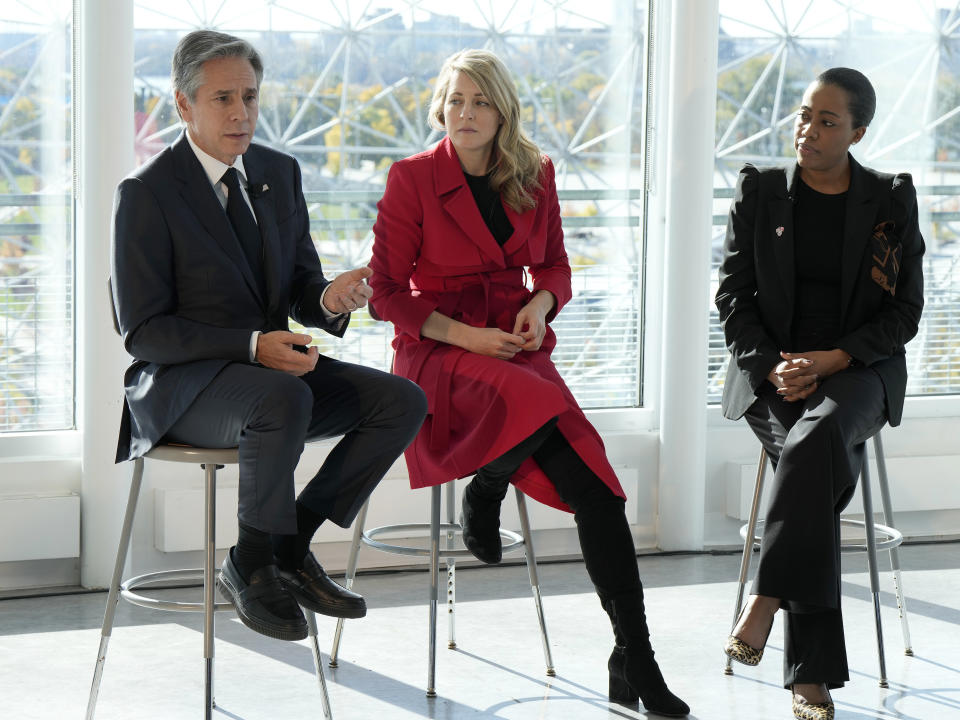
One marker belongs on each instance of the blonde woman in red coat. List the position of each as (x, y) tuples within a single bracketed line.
[(459, 228)]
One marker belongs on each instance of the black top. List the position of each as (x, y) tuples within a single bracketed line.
[(818, 246), (490, 207)]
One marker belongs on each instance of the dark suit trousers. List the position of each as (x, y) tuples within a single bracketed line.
[(270, 414), (816, 447)]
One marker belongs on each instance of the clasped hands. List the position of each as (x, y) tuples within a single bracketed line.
[(529, 329), (799, 374), (287, 351)]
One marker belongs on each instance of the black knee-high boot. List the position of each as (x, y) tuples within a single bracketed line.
[(611, 561), (610, 558)]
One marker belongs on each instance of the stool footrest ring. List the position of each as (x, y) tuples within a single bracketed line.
[(512, 541), (127, 588), (887, 537)]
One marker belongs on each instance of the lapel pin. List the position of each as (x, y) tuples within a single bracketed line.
[(779, 231)]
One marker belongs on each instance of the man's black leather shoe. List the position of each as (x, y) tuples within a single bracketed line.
[(263, 604), (314, 589)]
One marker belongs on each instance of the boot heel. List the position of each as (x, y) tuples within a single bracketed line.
[(621, 692), (619, 689), (648, 685)]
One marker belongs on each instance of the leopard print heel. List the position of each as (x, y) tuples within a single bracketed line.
[(802, 710), (737, 649)]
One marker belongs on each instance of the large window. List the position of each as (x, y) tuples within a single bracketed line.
[(346, 90), (36, 217), (769, 52)]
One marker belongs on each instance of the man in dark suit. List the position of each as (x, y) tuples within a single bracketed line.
[(211, 255)]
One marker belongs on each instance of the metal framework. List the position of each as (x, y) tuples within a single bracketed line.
[(347, 89)]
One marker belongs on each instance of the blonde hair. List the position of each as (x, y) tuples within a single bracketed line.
[(517, 160)]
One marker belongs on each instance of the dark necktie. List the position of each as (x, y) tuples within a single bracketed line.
[(244, 226)]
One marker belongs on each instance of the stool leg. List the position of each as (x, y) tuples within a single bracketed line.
[(318, 662), (114, 595), (748, 547), (894, 552), (451, 493), (531, 557), (434, 589), (209, 583), (351, 573), (872, 565)]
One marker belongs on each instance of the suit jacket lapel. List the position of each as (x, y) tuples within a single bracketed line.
[(780, 229), (457, 200), (861, 214), (198, 194), (259, 183)]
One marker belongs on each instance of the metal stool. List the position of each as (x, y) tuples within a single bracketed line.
[(210, 460), (513, 541), (892, 539)]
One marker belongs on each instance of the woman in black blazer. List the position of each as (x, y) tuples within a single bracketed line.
[(820, 288)]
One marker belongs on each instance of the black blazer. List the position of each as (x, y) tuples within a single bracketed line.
[(881, 279), (186, 299)]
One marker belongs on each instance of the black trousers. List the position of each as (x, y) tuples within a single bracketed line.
[(609, 554), (816, 447), (269, 414)]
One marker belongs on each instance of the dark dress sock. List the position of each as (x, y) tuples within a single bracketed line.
[(291, 549), (252, 551)]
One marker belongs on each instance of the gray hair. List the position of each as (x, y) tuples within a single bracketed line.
[(199, 46)]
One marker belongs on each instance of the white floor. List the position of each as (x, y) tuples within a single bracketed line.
[(154, 666)]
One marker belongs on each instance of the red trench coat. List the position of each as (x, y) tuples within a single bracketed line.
[(433, 251)]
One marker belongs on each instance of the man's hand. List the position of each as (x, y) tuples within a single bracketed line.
[(275, 350), (348, 291)]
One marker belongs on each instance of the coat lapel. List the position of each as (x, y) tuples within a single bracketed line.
[(780, 229), (861, 214), (198, 194), (457, 200), (522, 222)]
